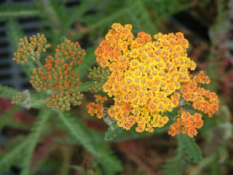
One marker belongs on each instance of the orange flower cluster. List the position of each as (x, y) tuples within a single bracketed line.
[(31, 48), (97, 108), (100, 99), (186, 124), (201, 99), (144, 75), (57, 77)]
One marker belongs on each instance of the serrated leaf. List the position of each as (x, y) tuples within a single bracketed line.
[(191, 148), (110, 163), (108, 19), (9, 158), (132, 134), (34, 136), (113, 131), (88, 61), (176, 166), (105, 156), (14, 33), (117, 134), (18, 10), (139, 14), (7, 92), (77, 130), (79, 11), (6, 117)]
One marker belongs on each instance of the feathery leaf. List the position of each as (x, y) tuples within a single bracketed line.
[(105, 156), (191, 148), (7, 92), (17, 10), (15, 33), (6, 117), (75, 128), (9, 158), (34, 137), (88, 61)]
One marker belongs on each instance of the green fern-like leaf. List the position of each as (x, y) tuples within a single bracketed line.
[(15, 33), (52, 18), (36, 131), (133, 12), (108, 20), (111, 165), (139, 15), (78, 12), (7, 92), (113, 131), (191, 148), (12, 156), (6, 117), (18, 10), (176, 166), (132, 134), (116, 134), (75, 128), (88, 61)]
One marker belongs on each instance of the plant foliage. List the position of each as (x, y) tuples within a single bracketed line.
[(34, 137), (191, 148), (7, 92), (105, 156)]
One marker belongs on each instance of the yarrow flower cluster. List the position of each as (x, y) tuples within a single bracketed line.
[(31, 48), (146, 76), (189, 124), (201, 99), (97, 108), (57, 76)]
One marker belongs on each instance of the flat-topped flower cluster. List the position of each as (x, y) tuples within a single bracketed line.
[(57, 76), (147, 78)]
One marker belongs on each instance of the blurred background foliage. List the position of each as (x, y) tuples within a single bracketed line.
[(42, 142)]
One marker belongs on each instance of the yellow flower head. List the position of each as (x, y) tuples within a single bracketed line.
[(144, 75), (147, 76)]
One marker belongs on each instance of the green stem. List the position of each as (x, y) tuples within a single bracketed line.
[(40, 65), (37, 103)]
